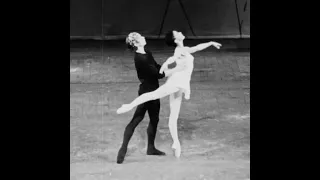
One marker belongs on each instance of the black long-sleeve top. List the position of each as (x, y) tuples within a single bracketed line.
[(147, 71)]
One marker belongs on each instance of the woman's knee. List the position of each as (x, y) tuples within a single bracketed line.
[(158, 94), (153, 96), (150, 95)]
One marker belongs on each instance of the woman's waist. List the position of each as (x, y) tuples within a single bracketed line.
[(185, 72), (181, 75)]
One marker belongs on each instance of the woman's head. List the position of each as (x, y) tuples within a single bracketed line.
[(135, 40), (174, 37)]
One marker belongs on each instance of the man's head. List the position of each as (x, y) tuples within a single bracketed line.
[(135, 40)]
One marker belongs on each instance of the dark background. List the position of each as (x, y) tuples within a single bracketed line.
[(93, 19)]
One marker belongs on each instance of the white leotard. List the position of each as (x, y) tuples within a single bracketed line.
[(182, 78)]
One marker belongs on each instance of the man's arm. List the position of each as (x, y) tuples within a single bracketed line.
[(203, 46), (148, 68), (159, 75)]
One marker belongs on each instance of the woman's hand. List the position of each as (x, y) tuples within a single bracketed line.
[(178, 68), (215, 44), (164, 66), (162, 69)]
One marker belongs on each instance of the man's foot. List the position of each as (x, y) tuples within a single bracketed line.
[(124, 108), (121, 154), (154, 151)]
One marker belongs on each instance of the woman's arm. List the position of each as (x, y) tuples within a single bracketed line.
[(166, 63), (179, 67), (203, 46), (169, 72)]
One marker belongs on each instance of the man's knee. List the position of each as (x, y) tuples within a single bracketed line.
[(129, 129), (134, 123), (154, 120)]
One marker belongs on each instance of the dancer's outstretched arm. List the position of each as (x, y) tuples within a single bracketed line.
[(203, 46)]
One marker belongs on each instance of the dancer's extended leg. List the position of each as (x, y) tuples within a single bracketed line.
[(175, 104), (161, 92)]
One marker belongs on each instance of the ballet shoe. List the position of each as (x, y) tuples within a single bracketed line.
[(154, 151), (121, 155), (187, 96), (124, 108), (177, 150)]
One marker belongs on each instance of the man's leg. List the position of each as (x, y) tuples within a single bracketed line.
[(153, 111), (137, 118)]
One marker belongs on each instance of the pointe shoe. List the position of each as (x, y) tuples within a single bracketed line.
[(187, 95), (177, 149), (124, 108)]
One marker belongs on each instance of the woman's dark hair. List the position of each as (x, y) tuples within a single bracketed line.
[(169, 39)]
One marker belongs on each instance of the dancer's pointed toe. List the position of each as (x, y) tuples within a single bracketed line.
[(177, 149), (123, 109)]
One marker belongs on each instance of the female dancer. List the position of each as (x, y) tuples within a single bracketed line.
[(178, 82)]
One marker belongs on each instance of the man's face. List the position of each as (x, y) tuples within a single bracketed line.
[(136, 39), (141, 40)]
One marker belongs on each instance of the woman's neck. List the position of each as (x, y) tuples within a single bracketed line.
[(180, 44)]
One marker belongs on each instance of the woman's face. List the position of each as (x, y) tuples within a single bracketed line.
[(178, 36)]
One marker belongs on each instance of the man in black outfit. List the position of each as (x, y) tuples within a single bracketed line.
[(148, 74)]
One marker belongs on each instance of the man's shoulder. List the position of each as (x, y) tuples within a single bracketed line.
[(148, 51), (140, 57)]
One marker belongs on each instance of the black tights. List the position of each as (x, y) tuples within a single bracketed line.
[(153, 108)]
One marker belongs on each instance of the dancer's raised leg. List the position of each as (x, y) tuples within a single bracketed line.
[(175, 104), (161, 92)]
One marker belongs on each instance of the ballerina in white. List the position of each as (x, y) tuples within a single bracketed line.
[(178, 82)]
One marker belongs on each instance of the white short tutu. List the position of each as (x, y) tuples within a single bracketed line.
[(181, 81)]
